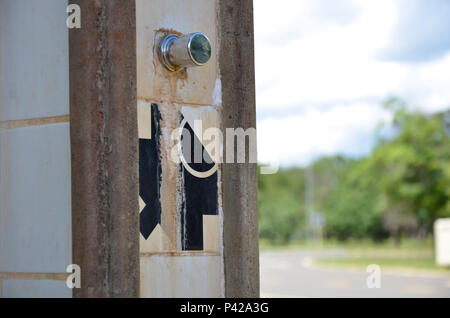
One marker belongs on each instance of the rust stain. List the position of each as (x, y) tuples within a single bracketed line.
[(181, 253), (14, 124), (167, 83), (34, 276), (169, 178), (161, 100), (168, 31)]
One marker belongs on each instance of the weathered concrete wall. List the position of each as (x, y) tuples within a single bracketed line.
[(177, 261), (35, 214)]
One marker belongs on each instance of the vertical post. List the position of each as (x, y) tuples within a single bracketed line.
[(236, 61), (104, 145)]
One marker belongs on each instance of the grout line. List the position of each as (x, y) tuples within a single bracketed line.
[(190, 253), (162, 101), (23, 123), (33, 276)]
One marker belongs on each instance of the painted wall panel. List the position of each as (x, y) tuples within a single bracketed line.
[(35, 219), (181, 276), (180, 209), (35, 289), (34, 59), (154, 18), (35, 181)]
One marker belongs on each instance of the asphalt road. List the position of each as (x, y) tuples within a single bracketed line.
[(293, 274)]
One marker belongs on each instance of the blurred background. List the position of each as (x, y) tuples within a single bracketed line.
[(353, 104)]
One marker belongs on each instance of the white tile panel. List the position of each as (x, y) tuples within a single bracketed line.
[(34, 59), (180, 276), (154, 18), (35, 199), (35, 289)]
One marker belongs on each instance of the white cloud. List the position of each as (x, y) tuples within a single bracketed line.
[(346, 129), (427, 85), (332, 65)]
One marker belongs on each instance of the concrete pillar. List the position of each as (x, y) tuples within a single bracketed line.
[(104, 149)]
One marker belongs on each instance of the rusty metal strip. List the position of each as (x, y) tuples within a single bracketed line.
[(175, 253), (104, 146), (162, 101), (236, 62), (14, 124), (34, 276)]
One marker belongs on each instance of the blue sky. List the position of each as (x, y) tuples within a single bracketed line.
[(323, 68)]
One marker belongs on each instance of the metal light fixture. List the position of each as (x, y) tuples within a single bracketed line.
[(178, 52)]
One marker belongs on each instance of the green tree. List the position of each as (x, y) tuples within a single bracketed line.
[(414, 166), (281, 205), (403, 186)]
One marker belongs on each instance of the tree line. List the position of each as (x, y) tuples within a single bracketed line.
[(399, 190)]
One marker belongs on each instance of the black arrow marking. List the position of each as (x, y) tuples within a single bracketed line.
[(150, 176), (200, 194)]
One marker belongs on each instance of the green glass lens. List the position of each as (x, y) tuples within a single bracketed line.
[(200, 48)]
